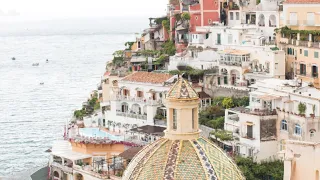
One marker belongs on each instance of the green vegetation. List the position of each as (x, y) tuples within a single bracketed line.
[(118, 59), (234, 102), (92, 104), (166, 24), (227, 103), (213, 117), (265, 170), (188, 72), (274, 48), (302, 108), (185, 16), (258, 2), (288, 31), (168, 48), (223, 135), (129, 44)]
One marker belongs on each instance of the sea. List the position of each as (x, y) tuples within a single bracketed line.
[(36, 101)]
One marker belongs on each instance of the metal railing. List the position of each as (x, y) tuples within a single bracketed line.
[(132, 115), (63, 168), (138, 99), (300, 23)]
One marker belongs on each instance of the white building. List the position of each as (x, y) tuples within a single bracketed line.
[(139, 97), (273, 116)]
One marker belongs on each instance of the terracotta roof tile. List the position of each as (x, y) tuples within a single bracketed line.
[(148, 77), (302, 1), (130, 153)]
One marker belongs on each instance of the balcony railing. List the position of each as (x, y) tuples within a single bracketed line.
[(132, 115), (160, 122), (138, 99), (89, 170), (300, 23), (63, 168)]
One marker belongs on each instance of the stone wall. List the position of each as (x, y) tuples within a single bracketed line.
[(226, 92)]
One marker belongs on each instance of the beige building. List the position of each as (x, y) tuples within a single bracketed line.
[(301, 160), (301, 39)]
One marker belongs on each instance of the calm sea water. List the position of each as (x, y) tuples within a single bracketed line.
[(33, 115)]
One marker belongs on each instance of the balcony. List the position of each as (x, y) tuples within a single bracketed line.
[(89, 170), (65, 169), (301, 23), (284, 41), (132, 115), (139, 100), (160, 122)]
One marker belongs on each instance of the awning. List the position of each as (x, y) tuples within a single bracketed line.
[(268, 97), (249, 123)]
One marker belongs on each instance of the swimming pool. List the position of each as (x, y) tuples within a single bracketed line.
[(96, 132)]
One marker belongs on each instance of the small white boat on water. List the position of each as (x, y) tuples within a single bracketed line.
[(35, 64)]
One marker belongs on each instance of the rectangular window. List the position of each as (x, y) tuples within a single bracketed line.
[(218, 39), (174, 119), (310, 19), (193, 117), (316, 54), (306, 53), (249, 131), (293, 18), (250, 152), (231, 15), (230, 38), (237, 15), (276, 66), (300, 51)]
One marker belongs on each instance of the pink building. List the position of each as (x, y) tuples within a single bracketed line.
[(202, 13)]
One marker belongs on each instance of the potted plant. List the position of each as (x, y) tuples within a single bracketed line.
[(302, 108), (313, 111)]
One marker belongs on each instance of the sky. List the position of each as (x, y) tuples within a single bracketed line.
[(52, 9)]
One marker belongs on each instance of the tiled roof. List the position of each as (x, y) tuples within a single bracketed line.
[(148, 77), (182, 90), (182, 159), (130, 153), (302, 1), (203, 95)]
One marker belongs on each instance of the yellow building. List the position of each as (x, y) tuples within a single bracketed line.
[(300, 38), (182, 153)]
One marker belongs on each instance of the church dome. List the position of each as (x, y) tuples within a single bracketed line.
[(182, 159), (182, 154)]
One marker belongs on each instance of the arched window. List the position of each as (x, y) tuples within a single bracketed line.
[(312, 132), (284, 125), (297, 130), (56, 174), (282, 145)]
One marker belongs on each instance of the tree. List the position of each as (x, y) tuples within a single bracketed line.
[(223, 135), (109, 124), (302, 108), (217, 123), (265, 170), (119, 126), (129, 44), (227, 103), (168, 48)]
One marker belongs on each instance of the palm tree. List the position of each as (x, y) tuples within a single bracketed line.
[(119, 126), (114, 125), (109, 124), (126, 126)]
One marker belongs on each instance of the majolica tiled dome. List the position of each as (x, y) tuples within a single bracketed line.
[(182, 154), (182, 160)]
